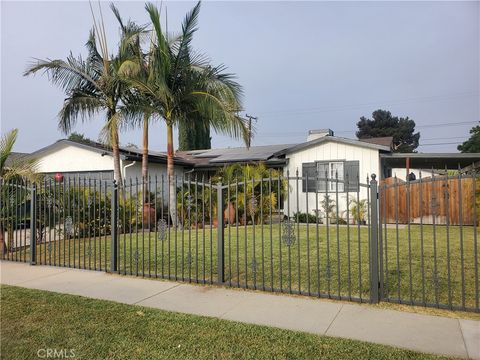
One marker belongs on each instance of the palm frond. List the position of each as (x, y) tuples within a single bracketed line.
[(68, 75), (80, 104), (6, 146)]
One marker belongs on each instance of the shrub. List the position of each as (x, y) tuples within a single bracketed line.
[(305, 217)]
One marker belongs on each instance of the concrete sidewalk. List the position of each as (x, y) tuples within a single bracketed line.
[(425, 333)]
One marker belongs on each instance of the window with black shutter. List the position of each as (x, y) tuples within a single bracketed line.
[(308, 177), (347, 173), (352, 169)]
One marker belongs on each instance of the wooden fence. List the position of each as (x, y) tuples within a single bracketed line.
[(430, 200)]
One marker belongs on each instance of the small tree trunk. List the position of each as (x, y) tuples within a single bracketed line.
[(170, 173)]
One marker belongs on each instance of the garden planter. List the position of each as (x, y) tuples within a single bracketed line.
[(148, 215), (229, 214)]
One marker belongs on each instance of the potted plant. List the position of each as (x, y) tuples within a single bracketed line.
[(359, 211), (328, 206)]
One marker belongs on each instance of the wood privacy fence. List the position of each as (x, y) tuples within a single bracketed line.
[(433, 200)]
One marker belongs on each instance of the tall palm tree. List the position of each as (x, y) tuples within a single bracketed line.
[(179, 83), (93, 85), (12, 186)]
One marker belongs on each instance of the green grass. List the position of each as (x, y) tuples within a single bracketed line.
[(96, 329), (340, 267)]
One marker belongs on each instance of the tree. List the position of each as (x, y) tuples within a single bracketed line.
[(93, 85), (21, 167), (178, 83), (194, 134), (80, 138), (472, 145), (384, 124), (12, 187)]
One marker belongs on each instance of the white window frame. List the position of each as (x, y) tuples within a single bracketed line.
[(333, 177), (331, 183)]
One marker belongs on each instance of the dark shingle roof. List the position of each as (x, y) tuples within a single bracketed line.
[(13, 157), (384, 141), (232, 155), (127, 153)]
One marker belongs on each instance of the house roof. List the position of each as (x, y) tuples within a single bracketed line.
[(384, 141), (336, 139), (215, 157), (430, 160), (126, 153), (14, 156)]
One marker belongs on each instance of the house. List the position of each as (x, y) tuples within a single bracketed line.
[(331, 166), (323, 165), (93, 160)]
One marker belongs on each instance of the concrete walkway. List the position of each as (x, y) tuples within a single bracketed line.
[(425, 333)]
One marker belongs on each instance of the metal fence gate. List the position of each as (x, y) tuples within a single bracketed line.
[(315, 236)]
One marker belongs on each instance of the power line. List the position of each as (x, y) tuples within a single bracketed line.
[(293, 133), (333, 108), (445, 143)]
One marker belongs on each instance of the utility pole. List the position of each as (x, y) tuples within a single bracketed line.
[(250, 118)]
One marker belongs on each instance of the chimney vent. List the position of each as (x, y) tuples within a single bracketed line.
[(316, 134)]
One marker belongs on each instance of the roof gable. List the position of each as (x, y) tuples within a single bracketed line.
[(336, 139)]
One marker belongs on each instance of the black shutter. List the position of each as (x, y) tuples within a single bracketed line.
[(351, 169), (308, 177)]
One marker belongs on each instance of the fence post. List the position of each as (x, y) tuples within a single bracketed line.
[(114, 227), (33, 225), (220, 235), (374, 284)]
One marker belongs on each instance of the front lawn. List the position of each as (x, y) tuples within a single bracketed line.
[(331, 261), (34, 320)]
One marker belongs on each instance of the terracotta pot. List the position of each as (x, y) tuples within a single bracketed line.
[(148, 215), (229, 214)]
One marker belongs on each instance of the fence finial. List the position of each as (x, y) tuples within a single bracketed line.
[(373, 177)]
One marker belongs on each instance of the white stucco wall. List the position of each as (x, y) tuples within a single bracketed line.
[(68, 158), (369, 163), (65, 158), (157, 172)]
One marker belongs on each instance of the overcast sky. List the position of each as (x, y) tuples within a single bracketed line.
[(303, 65)]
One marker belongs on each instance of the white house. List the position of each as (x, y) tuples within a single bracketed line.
[(331, 165), (95, 161), (347, 163)]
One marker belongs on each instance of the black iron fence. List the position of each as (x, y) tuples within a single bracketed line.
[(313, 236)]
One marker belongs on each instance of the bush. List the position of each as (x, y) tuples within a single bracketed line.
[(305, 217)]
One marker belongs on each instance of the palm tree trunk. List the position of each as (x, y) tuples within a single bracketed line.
[(117, 173), (170, 173)]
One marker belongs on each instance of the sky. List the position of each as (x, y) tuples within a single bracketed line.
[(302, 65)]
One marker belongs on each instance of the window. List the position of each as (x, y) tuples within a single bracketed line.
[(336, 173), (321, 175)]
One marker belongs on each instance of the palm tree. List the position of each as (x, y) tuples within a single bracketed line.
[(179, 83), (93, 85), (23, 167), (12, 189)]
